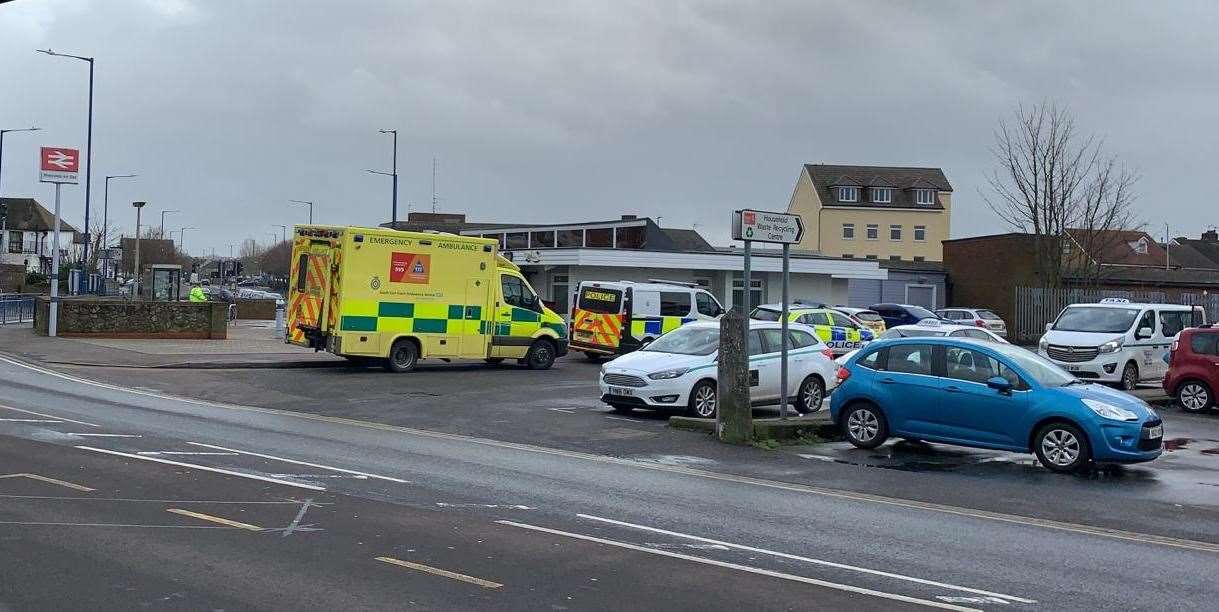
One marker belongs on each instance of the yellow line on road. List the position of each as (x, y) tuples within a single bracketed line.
[(62, 483), (215, 519), (487, 584)]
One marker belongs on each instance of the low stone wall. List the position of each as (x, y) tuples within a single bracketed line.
[(118, 318), (12, 278), (263, 310)]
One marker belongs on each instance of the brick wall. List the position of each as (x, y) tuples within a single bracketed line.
[(984, 272)]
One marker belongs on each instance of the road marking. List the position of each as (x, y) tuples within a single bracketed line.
[(205, 468), (304, 463), (782, 555), (97, 435), (47, 416), (29, 421), (295, 524), (746, 568), (37, 524), (62, 483), (487, 584), (623, 419), (493, 506), (563, 410), (208, 453), (286, 502), (1104, 532), (215, 519)]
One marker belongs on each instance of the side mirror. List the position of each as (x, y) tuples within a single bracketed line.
[(1000, 384), (1144, 332), (1049, 326)]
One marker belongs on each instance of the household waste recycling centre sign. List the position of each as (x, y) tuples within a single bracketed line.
[(764, 226)]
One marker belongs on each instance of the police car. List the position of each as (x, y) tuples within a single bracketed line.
[(834, 328), (933, 328)]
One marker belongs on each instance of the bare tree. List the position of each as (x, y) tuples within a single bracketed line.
[(1063, 188), (275, 260)]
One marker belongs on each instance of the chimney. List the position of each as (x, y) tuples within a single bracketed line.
[(1210, 236)]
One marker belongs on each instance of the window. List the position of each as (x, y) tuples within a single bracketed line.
[(848, 256), (629, 237), (870, 257), (706, 305), (871, 361), (601, 237), (801, 339), (815, 318), (569, 238), (540, 240), (15, 242), (302, 271), (517, 294), (895, 258), (924, 197), (1147, 321), (674, 304), (909, 359), (599, 300), (516, 240), (919, 258), (976, 367), (920, 233), (873, 231), (839, 320), (755, 343), (895, 232), (559, 289), (848, 231), (1204, 344), (773, 338), (882, 195), (848, 194), (755, 291), (1172, 322), (976, 334)]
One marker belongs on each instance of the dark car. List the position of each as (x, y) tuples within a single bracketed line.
[(901, 314), (1193, 368)]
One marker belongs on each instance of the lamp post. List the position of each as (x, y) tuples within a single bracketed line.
[(106, 206), (394, 174), (88, 142), (2, 133), (182, 238), (310, 208), (283, 229), (136, 272), (163, 213)]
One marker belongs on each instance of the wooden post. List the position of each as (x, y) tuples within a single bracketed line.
[(734, 416)]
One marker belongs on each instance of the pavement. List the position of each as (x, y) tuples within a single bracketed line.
[(113, 497)]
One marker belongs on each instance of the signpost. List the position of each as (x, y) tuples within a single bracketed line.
[(57, 165), (774, 227)]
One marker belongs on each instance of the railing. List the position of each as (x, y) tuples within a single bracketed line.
[(1037, 306), (16, 308)]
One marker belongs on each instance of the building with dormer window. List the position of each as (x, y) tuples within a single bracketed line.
[(873, 212)]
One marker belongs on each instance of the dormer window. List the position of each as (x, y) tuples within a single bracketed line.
[(1140, 246), (848, 194), (882, 195), (924, 197)]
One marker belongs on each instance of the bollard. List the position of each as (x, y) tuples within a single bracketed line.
[(734, 416), (279, 319)]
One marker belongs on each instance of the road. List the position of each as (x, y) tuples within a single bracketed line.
[(118, 498)]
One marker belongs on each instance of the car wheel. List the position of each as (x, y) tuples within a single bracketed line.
[(494, 360), (811, 396), (403, 356), (1062, 447), (540, 355), (703, 400), (865, 426), (1195, 396), (1130, 377)]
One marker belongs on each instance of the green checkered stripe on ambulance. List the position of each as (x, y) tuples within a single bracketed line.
[(405, 317)]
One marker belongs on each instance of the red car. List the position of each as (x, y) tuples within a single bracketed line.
[(1193, 368)]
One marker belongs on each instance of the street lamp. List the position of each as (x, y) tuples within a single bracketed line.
[(136, 271), (182, 238), (310, 208), (163, 213), (106, 206), (283, 229), (88, 141), (394, 174), (2, 133)]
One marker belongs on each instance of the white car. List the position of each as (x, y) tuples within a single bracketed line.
[(678, 370), (934, 327), (979, 317)]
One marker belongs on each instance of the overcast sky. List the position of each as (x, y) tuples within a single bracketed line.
[(577, 111)]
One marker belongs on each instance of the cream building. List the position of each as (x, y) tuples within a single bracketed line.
[(873, 212)]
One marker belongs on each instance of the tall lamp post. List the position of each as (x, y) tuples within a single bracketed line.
[(394, 174), (136, 272), (283, 230), (106, 206), (310, 208), (163, 213), (88, 142), (182, 238)]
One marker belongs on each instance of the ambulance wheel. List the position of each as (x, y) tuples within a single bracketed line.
[(540, 355), (403, 356)]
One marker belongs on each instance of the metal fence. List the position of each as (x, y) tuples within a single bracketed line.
[(16, 308), (1036, 306)]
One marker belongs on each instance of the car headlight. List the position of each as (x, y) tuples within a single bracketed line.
[(1042, 344), (1111, 346), (1109, 411), (667, 374)]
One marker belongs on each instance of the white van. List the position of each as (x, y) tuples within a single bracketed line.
[(1115, 341), (617, 317)]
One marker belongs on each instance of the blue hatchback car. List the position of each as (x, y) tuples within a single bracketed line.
[(986, 395)]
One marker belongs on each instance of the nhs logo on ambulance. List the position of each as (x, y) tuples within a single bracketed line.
[(409, 268)]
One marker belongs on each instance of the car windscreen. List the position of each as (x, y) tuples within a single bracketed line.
[(1097, 319), (912, 333), (919, 312), (599, 300), (765, 314), (687, 341), (989, 315), (1039, 368), (868, 315)]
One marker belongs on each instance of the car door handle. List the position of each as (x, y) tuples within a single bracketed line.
[(952, 389), (887, 381)]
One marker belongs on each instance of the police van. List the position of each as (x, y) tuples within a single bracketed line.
[(617, 317), (1117, 341)]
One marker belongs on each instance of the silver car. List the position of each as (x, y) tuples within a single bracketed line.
[(978, 317)]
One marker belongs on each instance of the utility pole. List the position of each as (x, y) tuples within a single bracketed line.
[(135, 273), (88, 145), (283, 231), (433, 185), (163, 213), (310, 208), (106, 208), (394, 175)]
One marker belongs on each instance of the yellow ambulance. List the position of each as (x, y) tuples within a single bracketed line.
[(375, 293)]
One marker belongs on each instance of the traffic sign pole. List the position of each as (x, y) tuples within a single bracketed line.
[(784, 342), (53, 318)]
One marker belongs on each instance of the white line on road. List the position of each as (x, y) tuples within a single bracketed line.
[(782, 555), (207, 453), (205, 468), (304, 463), (746, 568), (563, 410), (46, 416), (96, 435), (29, 421)]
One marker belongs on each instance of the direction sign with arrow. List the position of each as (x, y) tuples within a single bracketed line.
[(765, 226)]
